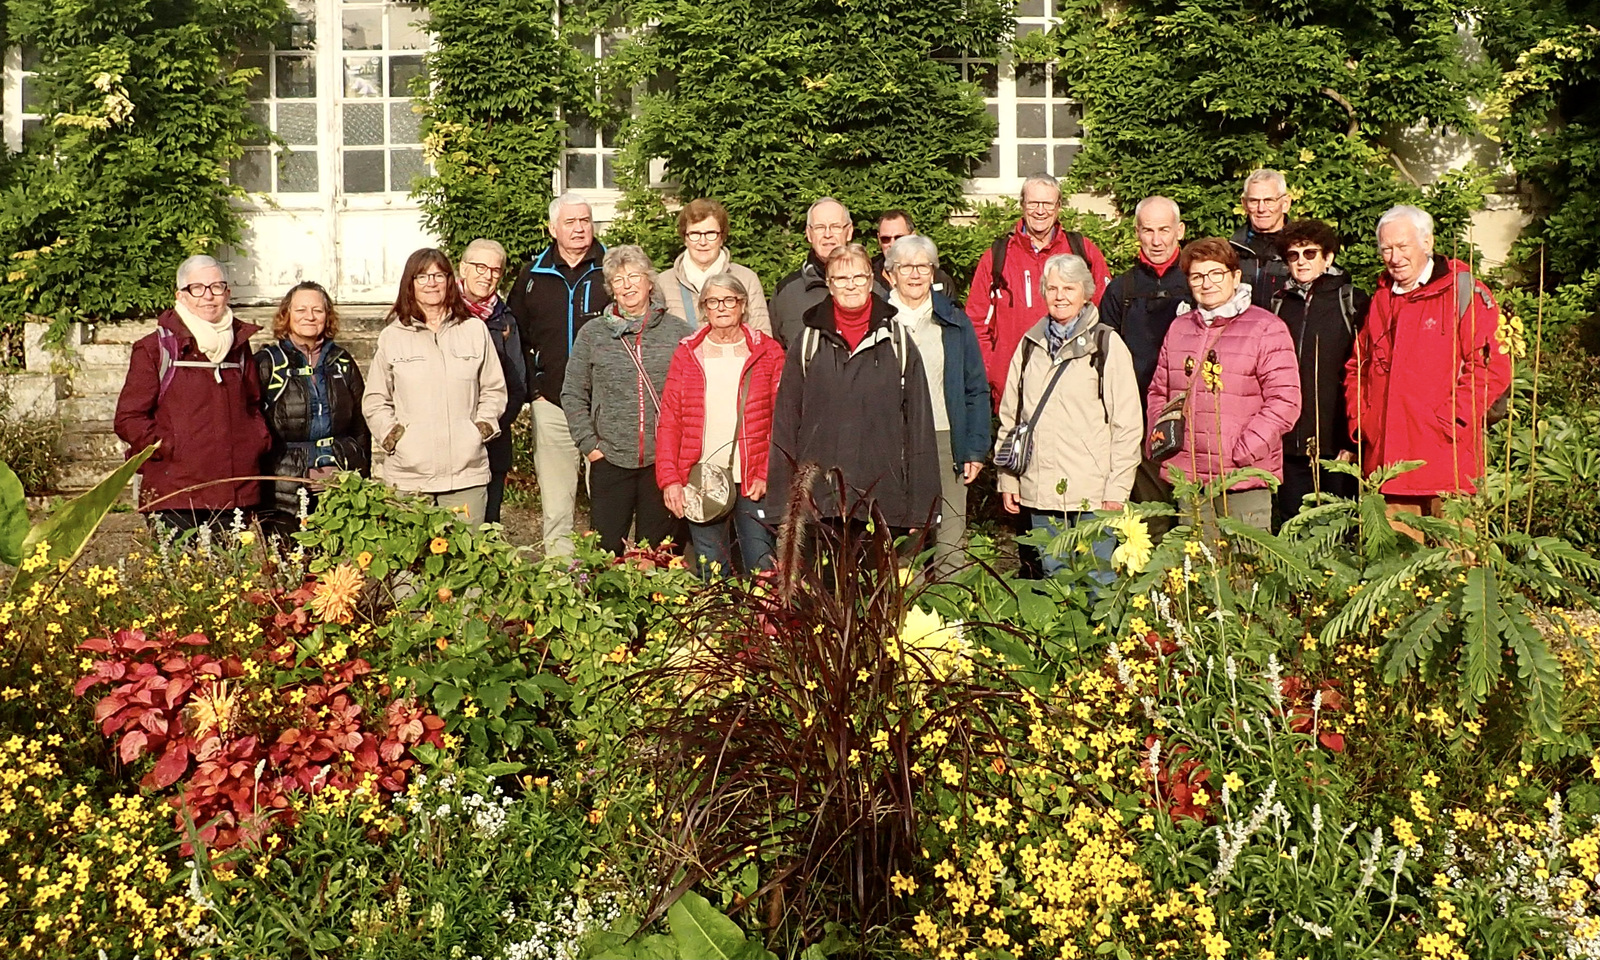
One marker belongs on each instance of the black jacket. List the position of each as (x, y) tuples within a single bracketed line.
[(1140, 305), (1323, 340), (851, 410), (1261, 264), (507, 339), (314, 415), (551, 301)]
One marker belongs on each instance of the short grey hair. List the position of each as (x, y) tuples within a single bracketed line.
[(1265, 176), (1156, 200), (849, 251), (196, 263), (906, 246), (626, 255), (820, 201), (568, 199), (1069, 267), (1043, 179), (1418, 217), (485, 245), (724, 281)]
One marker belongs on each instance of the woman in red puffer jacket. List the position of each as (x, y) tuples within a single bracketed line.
[(701, 422)]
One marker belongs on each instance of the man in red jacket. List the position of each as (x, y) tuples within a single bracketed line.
[(1003, 304), (1426, 368)]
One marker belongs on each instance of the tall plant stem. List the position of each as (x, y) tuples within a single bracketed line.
[(1533, 415)]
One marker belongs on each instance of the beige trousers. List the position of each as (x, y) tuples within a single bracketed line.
[(555, 465)]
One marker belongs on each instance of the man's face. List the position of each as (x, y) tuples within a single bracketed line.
[(1267, 206), (573, 229), (1160, 231), (828, 229), (209, 304), (1403, 250), (1307, 261), (891, 230), (1041, 208)]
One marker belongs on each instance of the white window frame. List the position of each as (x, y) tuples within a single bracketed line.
[(14, 120)]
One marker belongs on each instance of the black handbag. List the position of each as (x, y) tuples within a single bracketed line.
[(1166, 437)]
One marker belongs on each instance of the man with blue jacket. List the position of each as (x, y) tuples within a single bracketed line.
[(557, 293)]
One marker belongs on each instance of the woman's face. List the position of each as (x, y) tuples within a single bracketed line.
[(1063, 298), (308, 316), (912, 277), (704, 241), (631, 287), (722, 308), (1212, 283), (850, 282), (430, 283), (1307, 261)]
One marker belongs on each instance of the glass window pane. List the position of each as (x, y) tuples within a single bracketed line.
[(251, 171), (363, 124), (260, 85), (1064, 154), (580, 171), (988, 165), (30, 127), (297, 123), (363, 171), (297, 172), (297, 77), (402, 70), (608, 176), (1030, 8), (259, 114), (363, 29), (1030, 120), (297, 36), (580, 134), (987, 77), (363, 76), (407, 29), (1064, 120), (1030, 159), (405, 166), (30, 58), (1030, 80), (405, 124), (32, 102)]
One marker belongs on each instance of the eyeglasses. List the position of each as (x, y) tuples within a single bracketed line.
[(1213, 277), (829, 229), (628, 279), (853, 280), (914, 268), (1040, 204), (1310, 253), (703, 236), (483, 268), (427, 279), (1263, 201), (198, 290), (721, 303)]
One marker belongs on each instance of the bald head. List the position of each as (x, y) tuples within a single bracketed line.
[(1159, 225)]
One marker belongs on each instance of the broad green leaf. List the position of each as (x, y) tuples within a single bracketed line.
[(704, 932), (13, 516), (495, 697), (446, 697), (501, 769), (1481, 644), (69, 528)]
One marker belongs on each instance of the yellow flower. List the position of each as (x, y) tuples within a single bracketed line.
[(439, 545), (1133, 553), (212, 709), (334, 597), (364, 559)]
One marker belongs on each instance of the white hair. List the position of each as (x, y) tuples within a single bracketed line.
[(623, 256), (194, 264), (1043, 179), (1416, 216), (1069, 267), (568, 199), (1266, 176), (906, 246), (820, 201), (1158, 200), (486, 245), (724, 281)]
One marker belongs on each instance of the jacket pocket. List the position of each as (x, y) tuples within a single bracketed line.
[(463, 361)]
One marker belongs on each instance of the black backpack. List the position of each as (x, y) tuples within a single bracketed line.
[(997, 259), (1097, 360)]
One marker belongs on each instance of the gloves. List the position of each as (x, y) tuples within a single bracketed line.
[(485, 430), (393, 439)]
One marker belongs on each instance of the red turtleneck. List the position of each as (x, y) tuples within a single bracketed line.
[(1160, 268), (852, 324)]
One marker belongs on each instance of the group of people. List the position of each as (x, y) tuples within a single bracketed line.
[(862, 376)]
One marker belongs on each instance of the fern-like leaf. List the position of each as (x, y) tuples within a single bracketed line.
[(1481, 643), (1416, 640), (1275, 552), (1359, 613), (1538, 672)]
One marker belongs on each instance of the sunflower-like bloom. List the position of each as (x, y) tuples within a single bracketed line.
[(942, 650), (334, 597), (211, 710), (1133, 552)]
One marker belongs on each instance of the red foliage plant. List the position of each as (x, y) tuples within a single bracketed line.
[(1176, 786), (1304, 711)]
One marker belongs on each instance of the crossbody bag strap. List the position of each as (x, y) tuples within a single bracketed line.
[(1049, 388), (636, 354)]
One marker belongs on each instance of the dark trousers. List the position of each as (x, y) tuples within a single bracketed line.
[(499, 450), (713, 542), (496, 496), (1302, 476), (621, 498)]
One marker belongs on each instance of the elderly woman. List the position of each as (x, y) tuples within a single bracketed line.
[(716, 410), (1071, 378), (703, 227), (1229, 368), (855, 397), (312, 399), (435, 390), (191, 385), (612, 399), (483, 264), (958, 390)]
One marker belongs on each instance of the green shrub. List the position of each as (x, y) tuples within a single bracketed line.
[(28, 445)]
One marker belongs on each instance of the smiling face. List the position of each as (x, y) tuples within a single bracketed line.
[(480, 275), (1212, 283), (1160, 231), (430, 283), (1267, 206), (722, 308), (1307, 261), (631, 287), (912, 278), (212, 299), (1404, 251), (704, 241), (850, 282), (308, 317), (1041, 208), (1063, 298)]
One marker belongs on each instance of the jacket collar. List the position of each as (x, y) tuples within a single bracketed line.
[(757, 341), (1020, 234), (821, 317), (1442, 279), (1082, 343), (1332, 279), (617, 323), (242, 331), (546, 262), (945, 311)]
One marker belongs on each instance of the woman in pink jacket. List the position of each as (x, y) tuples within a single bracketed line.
[(1245, 381)]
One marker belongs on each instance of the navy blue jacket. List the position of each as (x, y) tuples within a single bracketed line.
[(966, 387), (551, 302)]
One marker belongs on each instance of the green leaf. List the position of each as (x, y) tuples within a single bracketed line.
[(446, 697), (1539, 672), (705, 933), (69, 528), (501, 768), (13, 516), (1274, 552), (495, 697), (1481, 645), (1412, 647)]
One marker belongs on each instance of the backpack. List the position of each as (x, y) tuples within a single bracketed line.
[(1347, 306), (811, 341), (1500, 408), (1097, 360), (997, 260), (167, 347)]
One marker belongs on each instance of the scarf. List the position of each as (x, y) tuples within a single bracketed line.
[(483, 311), (691, 276), (912, 318), (1058, 332), (853, 324), (1160, 268), (1237, 304), (213, 339), (622, 325)]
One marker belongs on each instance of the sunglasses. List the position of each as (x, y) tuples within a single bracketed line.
[(1309, 254)]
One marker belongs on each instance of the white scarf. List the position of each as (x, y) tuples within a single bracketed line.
[(912, 318), (690, 274), (213, 339), (1237, 304)]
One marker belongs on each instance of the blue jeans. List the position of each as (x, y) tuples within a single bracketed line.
[(1055, 522), (713, 542)]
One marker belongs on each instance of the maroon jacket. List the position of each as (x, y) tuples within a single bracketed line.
[(208, 430), (681, 433)]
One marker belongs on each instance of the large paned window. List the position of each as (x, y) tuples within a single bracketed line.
[(382, 46), (21, 104), (284, 100)]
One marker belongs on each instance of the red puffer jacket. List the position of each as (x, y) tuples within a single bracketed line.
[(681, 431), (1238, 417), (1421, 380)]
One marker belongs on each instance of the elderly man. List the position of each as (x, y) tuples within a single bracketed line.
[(482, 266), (1426, 368), (556, 294), (1141, 302), (828, 227), (193, 386), (893, 225), (1004, 301), (1260, 241)]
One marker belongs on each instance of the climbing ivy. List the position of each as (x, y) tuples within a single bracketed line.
[(144, 108)]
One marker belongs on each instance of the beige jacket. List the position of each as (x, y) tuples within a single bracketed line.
[(1094, 448), (670, 285), (439, 387)]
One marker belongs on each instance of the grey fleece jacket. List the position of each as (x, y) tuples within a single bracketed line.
[(608, 404)]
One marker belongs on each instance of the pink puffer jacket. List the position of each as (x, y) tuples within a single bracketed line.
[(1238, 416)]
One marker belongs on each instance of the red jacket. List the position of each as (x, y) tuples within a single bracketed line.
[(1018, 304), (208, 430), (681, 431), (1421, 381)]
